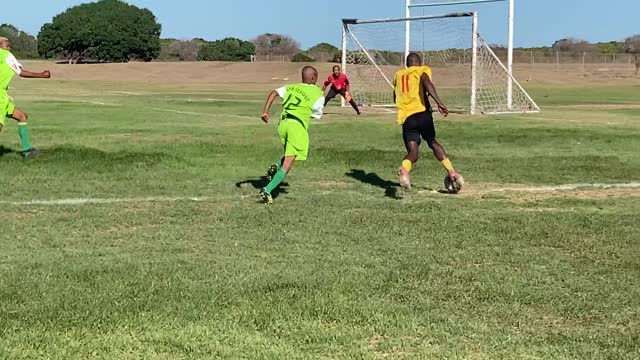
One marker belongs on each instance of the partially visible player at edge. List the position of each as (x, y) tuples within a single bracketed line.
[(9, 67), (339, 85), (412, 88), (301, 103)]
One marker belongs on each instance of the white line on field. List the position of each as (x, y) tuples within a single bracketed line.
[(202, 114), (86, 201), (86, 102), (551, 188), (227, 100), (578, 121), (178, 111), (98, 103), (83, 201), (630, 185), (565, 120), (126, 93)]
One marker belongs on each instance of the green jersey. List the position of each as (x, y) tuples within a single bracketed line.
[(301, 102), (9, 67)]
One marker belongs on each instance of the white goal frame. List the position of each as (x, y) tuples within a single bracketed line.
[(440, 3), (346, 34)]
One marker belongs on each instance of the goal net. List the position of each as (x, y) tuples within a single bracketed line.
[(468, 75)]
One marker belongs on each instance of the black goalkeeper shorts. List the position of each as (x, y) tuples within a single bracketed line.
[(332, 94)]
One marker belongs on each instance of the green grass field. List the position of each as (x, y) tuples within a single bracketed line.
[(139, 236)]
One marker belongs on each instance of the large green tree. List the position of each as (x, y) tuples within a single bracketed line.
[(107, 30), (229, 49)]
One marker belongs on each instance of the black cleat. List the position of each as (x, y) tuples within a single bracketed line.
[(271, 171), (32, 153), (266, 197)]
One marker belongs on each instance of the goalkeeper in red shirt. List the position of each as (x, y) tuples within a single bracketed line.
[(339, 85)]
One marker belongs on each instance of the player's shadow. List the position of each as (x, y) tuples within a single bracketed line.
[(391, 188), (261, 182), (5, 150)]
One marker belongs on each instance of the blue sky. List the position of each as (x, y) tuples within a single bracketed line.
[(538, 22)]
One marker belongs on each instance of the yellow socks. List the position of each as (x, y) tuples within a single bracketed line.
[(406, 164), (446, 163)]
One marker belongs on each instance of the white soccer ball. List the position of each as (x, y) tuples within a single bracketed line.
[(453, 187)]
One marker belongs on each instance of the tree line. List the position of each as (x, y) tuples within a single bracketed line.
[(264, 47), (24, 45), (115, 31)]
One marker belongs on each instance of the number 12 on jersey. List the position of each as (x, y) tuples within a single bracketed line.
[(292, 102)]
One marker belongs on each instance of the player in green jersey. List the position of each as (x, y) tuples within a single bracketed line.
[(301, 102), (9, 67)]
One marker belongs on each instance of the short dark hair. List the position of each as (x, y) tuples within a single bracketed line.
[(413, 59), (309, 71), (336, 67)]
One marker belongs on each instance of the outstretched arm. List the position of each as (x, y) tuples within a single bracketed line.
[(327, 83), (20, 71), (267, 107), (33, 75), (431, 90)]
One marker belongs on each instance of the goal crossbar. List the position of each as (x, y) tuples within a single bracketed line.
[(346, 22), (452, 3), (389, 20), (372, 53)]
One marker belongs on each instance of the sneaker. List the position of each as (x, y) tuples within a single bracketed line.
[(405, 182), (32, 153), (266, 197), (271, 171)]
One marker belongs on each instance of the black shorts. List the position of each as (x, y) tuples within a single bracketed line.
[(419, 125), (332, 94)]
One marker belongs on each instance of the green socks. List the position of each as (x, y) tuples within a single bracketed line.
[(277, 179), (23, 131)]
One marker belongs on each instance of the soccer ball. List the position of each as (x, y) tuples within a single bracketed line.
[(453, 187)]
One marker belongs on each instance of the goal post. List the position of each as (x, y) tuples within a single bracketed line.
[(473, 106), (468, 75), (343, 60), (428, 4)]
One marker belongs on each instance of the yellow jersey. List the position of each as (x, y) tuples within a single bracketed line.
[(410, 95)]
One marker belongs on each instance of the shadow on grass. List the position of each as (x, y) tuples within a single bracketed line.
[(261, 182), (391, 188), (85, 159), (5, 150), (125, 156)]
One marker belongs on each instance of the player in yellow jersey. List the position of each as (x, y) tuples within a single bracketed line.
[(412, 88)]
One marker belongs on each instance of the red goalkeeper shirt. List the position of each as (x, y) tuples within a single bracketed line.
[(339, 83)]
